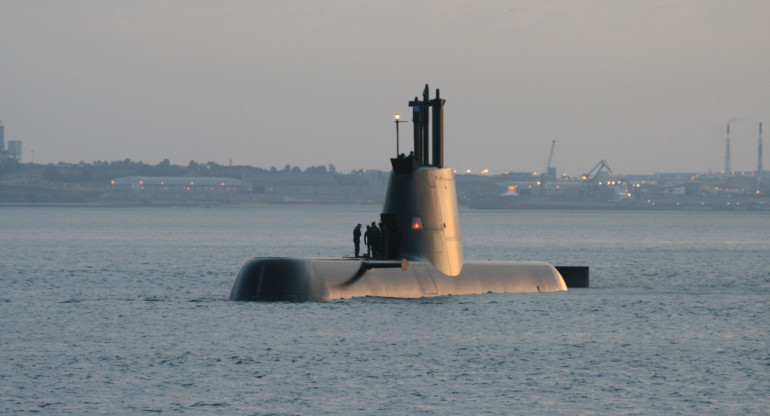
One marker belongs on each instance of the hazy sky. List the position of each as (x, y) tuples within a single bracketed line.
[(645, 85)]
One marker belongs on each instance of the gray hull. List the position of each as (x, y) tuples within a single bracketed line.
[(299, 279), (420, 242)]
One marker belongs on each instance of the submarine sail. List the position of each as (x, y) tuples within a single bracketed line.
[(424, 256)]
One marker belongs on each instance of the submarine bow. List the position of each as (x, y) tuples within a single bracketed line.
[(423, 256)]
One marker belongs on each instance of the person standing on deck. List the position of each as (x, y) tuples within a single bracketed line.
[(374, 240), (368, 240), (357, 238)]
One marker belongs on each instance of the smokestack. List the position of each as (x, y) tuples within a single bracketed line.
[(727, 151), (759, 154)]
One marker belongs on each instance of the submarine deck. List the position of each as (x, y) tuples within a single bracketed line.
[(319, 279)]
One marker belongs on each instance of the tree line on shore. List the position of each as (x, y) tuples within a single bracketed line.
[(99, 171)]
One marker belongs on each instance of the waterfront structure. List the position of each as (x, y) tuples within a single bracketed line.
[(14, 149), (154, 184)]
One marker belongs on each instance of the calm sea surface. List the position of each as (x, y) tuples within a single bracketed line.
[(125, 311)]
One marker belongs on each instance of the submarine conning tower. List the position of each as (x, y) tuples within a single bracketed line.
[(420, 209)]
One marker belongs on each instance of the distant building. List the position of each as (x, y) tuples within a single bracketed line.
[(2, 137), (154, 184), (14, 149)]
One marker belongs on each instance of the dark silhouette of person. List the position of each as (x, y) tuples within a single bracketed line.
[(368, 240), (384, 241), (357, 238), (374, 239)]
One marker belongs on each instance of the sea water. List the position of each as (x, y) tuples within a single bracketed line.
[(125, 311)]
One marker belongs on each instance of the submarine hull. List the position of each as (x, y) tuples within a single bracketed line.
[(303, 279), (419, 242)]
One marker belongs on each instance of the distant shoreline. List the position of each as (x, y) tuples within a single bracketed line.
[(262, 204), (96, 185)]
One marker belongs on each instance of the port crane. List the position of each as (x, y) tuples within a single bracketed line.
[(549, 174), (590, 176), (549, 171)]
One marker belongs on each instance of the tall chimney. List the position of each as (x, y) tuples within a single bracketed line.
[(727, 151), (759, 154)]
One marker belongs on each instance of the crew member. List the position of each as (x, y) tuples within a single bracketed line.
[(374, 240), (368, 240), (357, 238)]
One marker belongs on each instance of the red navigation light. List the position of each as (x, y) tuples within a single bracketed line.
[(417, 223)]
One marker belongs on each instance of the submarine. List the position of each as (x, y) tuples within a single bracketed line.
[(423, 254)]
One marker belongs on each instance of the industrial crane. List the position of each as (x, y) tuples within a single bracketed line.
[(549, 171), (590, 176), (548, 175)]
